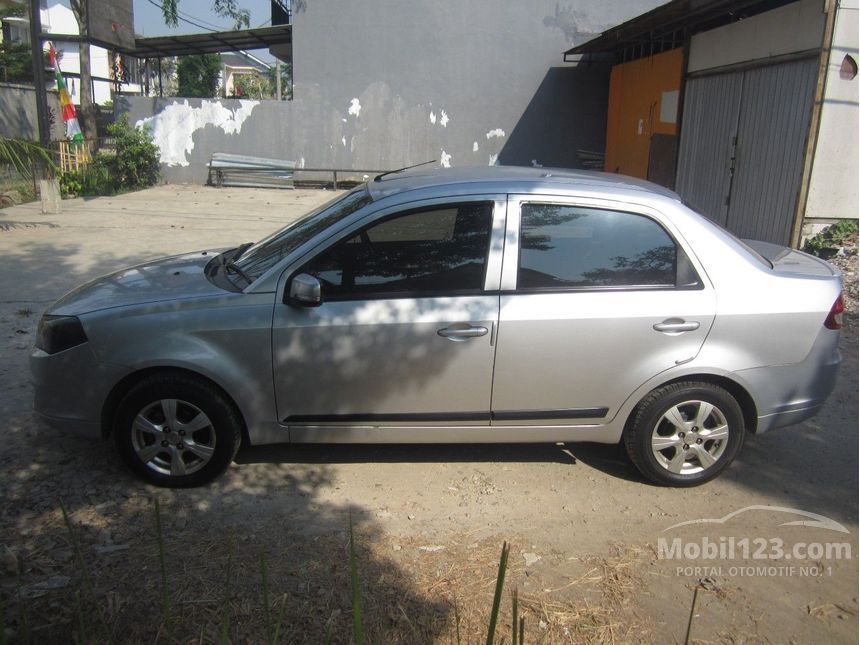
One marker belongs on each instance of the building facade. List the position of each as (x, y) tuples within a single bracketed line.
[(749, 110), (111, 71), (386, 84)]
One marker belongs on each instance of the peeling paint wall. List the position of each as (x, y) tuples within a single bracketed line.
[(386, 84), (173, 127)]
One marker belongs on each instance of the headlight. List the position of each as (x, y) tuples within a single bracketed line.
[(58, 333)]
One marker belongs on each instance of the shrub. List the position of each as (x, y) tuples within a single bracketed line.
[(71, 183), (96, 179), (830, 237), (135, 164)]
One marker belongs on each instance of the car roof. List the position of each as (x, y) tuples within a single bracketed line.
[(511, 178)]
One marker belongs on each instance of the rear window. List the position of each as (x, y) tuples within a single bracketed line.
[(736, 241)]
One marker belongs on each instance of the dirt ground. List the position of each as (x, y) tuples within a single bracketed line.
[(585, 530)]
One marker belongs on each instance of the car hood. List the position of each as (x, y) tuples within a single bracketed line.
[(173, 278)]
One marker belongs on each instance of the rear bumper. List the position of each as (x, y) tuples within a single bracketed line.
[(789, 394), (782, 419)]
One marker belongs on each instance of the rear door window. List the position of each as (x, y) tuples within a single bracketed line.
[(572, 247)]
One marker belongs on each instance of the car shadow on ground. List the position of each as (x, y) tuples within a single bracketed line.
[(608, 458), (211, 542)]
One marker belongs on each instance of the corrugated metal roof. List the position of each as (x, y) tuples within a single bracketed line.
[(212, 42), (673, 21)]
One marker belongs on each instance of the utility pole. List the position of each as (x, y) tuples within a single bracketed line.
[(277, 79), (39, 73), (49, 189)]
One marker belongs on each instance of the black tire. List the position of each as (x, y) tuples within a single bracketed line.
[(680, 464), (204, 452)]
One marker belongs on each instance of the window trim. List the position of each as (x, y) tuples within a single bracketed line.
[(492, 264), (510, 270)]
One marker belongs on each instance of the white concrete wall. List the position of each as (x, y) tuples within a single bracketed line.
[(793, 28), (833, 186)]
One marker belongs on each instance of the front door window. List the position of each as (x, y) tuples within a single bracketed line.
[(439, 251)]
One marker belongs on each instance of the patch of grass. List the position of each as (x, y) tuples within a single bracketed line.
[(162, 569), (357, 622), (86, 632), (224, 636), (303, 595), (272, 631)]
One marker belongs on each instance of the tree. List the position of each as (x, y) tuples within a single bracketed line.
[(286, 81), (198, 75), (224, 8), (168, 82), (16, 61), (252, 86), (256, 85), (87, 112)]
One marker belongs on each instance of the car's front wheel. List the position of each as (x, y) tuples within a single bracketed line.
[(685, 434), (175, 430)]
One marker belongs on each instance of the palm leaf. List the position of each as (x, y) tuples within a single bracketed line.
[(22, 154)]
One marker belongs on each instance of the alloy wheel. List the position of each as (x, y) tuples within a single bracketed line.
[(690, 437), (173, 437)]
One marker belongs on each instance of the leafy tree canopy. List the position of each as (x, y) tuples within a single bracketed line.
[(16, 63), (198, 75), (225, 8)]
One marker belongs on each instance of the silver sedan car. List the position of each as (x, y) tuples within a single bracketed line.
[(443, 306)]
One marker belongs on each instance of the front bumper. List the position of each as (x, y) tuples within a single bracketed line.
[(89, 429), (70, 388)]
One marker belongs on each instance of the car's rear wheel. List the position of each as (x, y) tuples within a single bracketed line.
[(175, 430), (685, 434)]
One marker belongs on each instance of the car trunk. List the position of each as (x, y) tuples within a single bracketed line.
[(786, 260)]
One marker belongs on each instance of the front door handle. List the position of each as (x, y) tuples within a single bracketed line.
[(459, 333), (676, 326)]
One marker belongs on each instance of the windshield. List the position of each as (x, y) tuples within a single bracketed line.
[(266, 253)]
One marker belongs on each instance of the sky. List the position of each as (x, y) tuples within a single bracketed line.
[(148, 20)]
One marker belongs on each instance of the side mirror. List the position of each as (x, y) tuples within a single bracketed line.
[(305, 291)]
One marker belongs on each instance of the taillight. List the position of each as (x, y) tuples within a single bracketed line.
[(834, 318)]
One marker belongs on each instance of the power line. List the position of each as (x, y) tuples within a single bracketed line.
[(190, 22), (205, 22)]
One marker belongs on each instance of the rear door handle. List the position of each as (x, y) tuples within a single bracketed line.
[(676, 326), (460, 333)]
